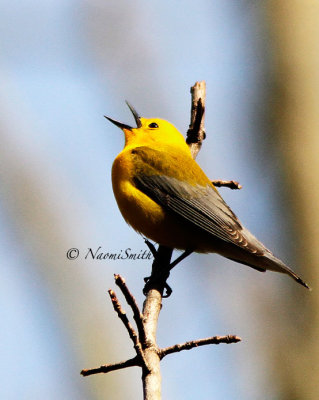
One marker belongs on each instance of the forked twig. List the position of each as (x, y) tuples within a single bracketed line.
[(142, 346)]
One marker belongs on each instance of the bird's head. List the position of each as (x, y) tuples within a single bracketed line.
[(153, 132)]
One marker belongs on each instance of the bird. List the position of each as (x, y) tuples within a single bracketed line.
[(163, 194)]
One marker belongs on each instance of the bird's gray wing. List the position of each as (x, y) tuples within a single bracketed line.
[(203, 207), (199, 205)]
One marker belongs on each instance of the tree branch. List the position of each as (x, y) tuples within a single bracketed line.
[(147, 352), (151, 309), (200, 342), (132, 362), (196, 131), (130, 299), (131, 331), (229, 184), (123, 317)]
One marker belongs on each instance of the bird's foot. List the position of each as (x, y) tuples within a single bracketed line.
[(149, 284)]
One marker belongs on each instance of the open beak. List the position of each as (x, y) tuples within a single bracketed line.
[(124, 126)]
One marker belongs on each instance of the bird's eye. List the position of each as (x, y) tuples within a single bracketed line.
[(153, 125)]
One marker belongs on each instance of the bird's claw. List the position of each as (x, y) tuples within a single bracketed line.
[(167, 290)]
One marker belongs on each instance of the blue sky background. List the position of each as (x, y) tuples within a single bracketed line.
[(65, 64)]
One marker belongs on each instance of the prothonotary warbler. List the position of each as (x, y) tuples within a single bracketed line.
[(164, 194)]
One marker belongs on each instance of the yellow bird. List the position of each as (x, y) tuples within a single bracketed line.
[(164, 194)]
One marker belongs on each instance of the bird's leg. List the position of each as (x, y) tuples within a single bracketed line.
[(151, 247), (168, 269), (160, 269), (153, 250), (180, 258)]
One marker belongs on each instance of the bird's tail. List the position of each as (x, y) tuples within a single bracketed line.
[(261, 259), (269, 261)]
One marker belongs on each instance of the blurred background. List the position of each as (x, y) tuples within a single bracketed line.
[(65, 64)]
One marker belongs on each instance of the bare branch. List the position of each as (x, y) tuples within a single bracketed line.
[(131, 331), (133, 362), (123, 317), (196, 131), (229, 184), (130, 299), (200, 342), (151, 309)]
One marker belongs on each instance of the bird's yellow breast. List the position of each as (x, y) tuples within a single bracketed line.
[(139, 211)]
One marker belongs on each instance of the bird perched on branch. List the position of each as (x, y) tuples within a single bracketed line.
[(164, 194)]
